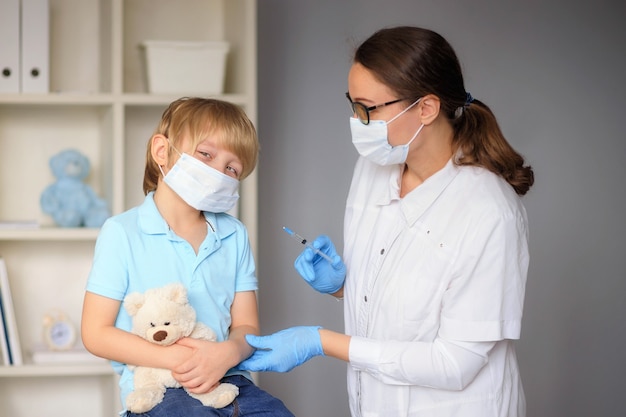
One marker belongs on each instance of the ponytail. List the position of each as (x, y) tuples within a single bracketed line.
[(480, 141)]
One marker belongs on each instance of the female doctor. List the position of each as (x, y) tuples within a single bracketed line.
[(436, 245)]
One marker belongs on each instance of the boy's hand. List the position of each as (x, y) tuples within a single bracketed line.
[(205, 367)]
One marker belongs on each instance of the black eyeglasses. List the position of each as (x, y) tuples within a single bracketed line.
[(362, 111)]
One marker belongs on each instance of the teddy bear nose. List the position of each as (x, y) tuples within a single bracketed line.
[(160, 335)]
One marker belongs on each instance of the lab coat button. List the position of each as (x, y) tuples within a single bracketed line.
[(382, 251), (365, 298)]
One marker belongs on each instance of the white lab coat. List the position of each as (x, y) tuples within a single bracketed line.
[(434, 294)]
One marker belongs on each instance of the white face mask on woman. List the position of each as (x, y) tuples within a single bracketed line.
[(201, 186), (372, 143)]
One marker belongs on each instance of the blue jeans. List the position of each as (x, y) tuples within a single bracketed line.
[(251, 401)]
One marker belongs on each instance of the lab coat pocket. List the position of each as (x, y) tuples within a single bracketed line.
[(427, 271)]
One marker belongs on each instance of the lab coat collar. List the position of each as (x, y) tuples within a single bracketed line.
[(415, 203), (392, 191)]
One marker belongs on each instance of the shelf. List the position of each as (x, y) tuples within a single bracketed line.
[(103, 369), (164, 100), (50, 234), (137, 99), (56, 99)]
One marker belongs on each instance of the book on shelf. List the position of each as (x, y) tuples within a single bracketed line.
[(77, 355), (4, 339), (8, 317)]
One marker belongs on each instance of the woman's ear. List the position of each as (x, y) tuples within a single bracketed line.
[(429, 108), (159, 149)]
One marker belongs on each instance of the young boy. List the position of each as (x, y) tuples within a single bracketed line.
[(195, 159)]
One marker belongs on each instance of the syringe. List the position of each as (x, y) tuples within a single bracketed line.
[(306, 243)]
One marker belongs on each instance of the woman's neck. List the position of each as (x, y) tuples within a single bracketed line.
[(432, 154)]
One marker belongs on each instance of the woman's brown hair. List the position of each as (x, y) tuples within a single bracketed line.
[(199, 118), (415, 62)]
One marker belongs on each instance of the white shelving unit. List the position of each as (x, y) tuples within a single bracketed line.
[(99, 105)]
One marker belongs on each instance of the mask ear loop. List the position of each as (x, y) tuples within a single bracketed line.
[(173, 147), (404, 111), (415, 135)]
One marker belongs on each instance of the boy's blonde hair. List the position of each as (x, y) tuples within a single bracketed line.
[(199, 118)]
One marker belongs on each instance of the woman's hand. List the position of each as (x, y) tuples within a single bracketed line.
[(284, 350), (324, 276)]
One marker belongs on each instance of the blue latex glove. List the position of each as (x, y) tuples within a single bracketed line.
[(325, 277), (283, 351)]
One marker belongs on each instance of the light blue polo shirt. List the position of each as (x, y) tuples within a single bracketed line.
[(136, 251)]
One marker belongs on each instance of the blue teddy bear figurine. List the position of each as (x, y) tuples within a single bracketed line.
[(69, 201)]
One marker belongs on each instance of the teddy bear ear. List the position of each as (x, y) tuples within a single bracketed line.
[(177, 293), (133, 302)]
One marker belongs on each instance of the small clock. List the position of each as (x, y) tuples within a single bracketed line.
[(59, 332)]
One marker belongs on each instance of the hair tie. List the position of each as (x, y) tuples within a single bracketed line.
[(459, 110)]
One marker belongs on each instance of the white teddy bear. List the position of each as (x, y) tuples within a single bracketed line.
[(163, 316)]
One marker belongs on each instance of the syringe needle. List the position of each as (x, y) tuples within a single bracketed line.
[(306, 243)]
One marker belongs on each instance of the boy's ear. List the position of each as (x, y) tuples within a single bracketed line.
[(159, 149), (429, 108)]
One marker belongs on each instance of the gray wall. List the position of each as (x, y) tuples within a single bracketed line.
[(553, 75)]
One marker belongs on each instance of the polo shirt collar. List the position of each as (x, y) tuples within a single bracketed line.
[(151, 222)]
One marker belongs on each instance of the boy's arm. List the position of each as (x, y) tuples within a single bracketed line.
[(245, 320), (102, 338), (211, 360)]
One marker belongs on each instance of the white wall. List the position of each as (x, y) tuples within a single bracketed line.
[(552, 72)]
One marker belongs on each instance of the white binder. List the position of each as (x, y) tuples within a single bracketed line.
[(9, 46), (35, 46)]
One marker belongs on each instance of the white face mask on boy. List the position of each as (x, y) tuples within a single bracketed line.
[(201, 186), (372, 142)]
